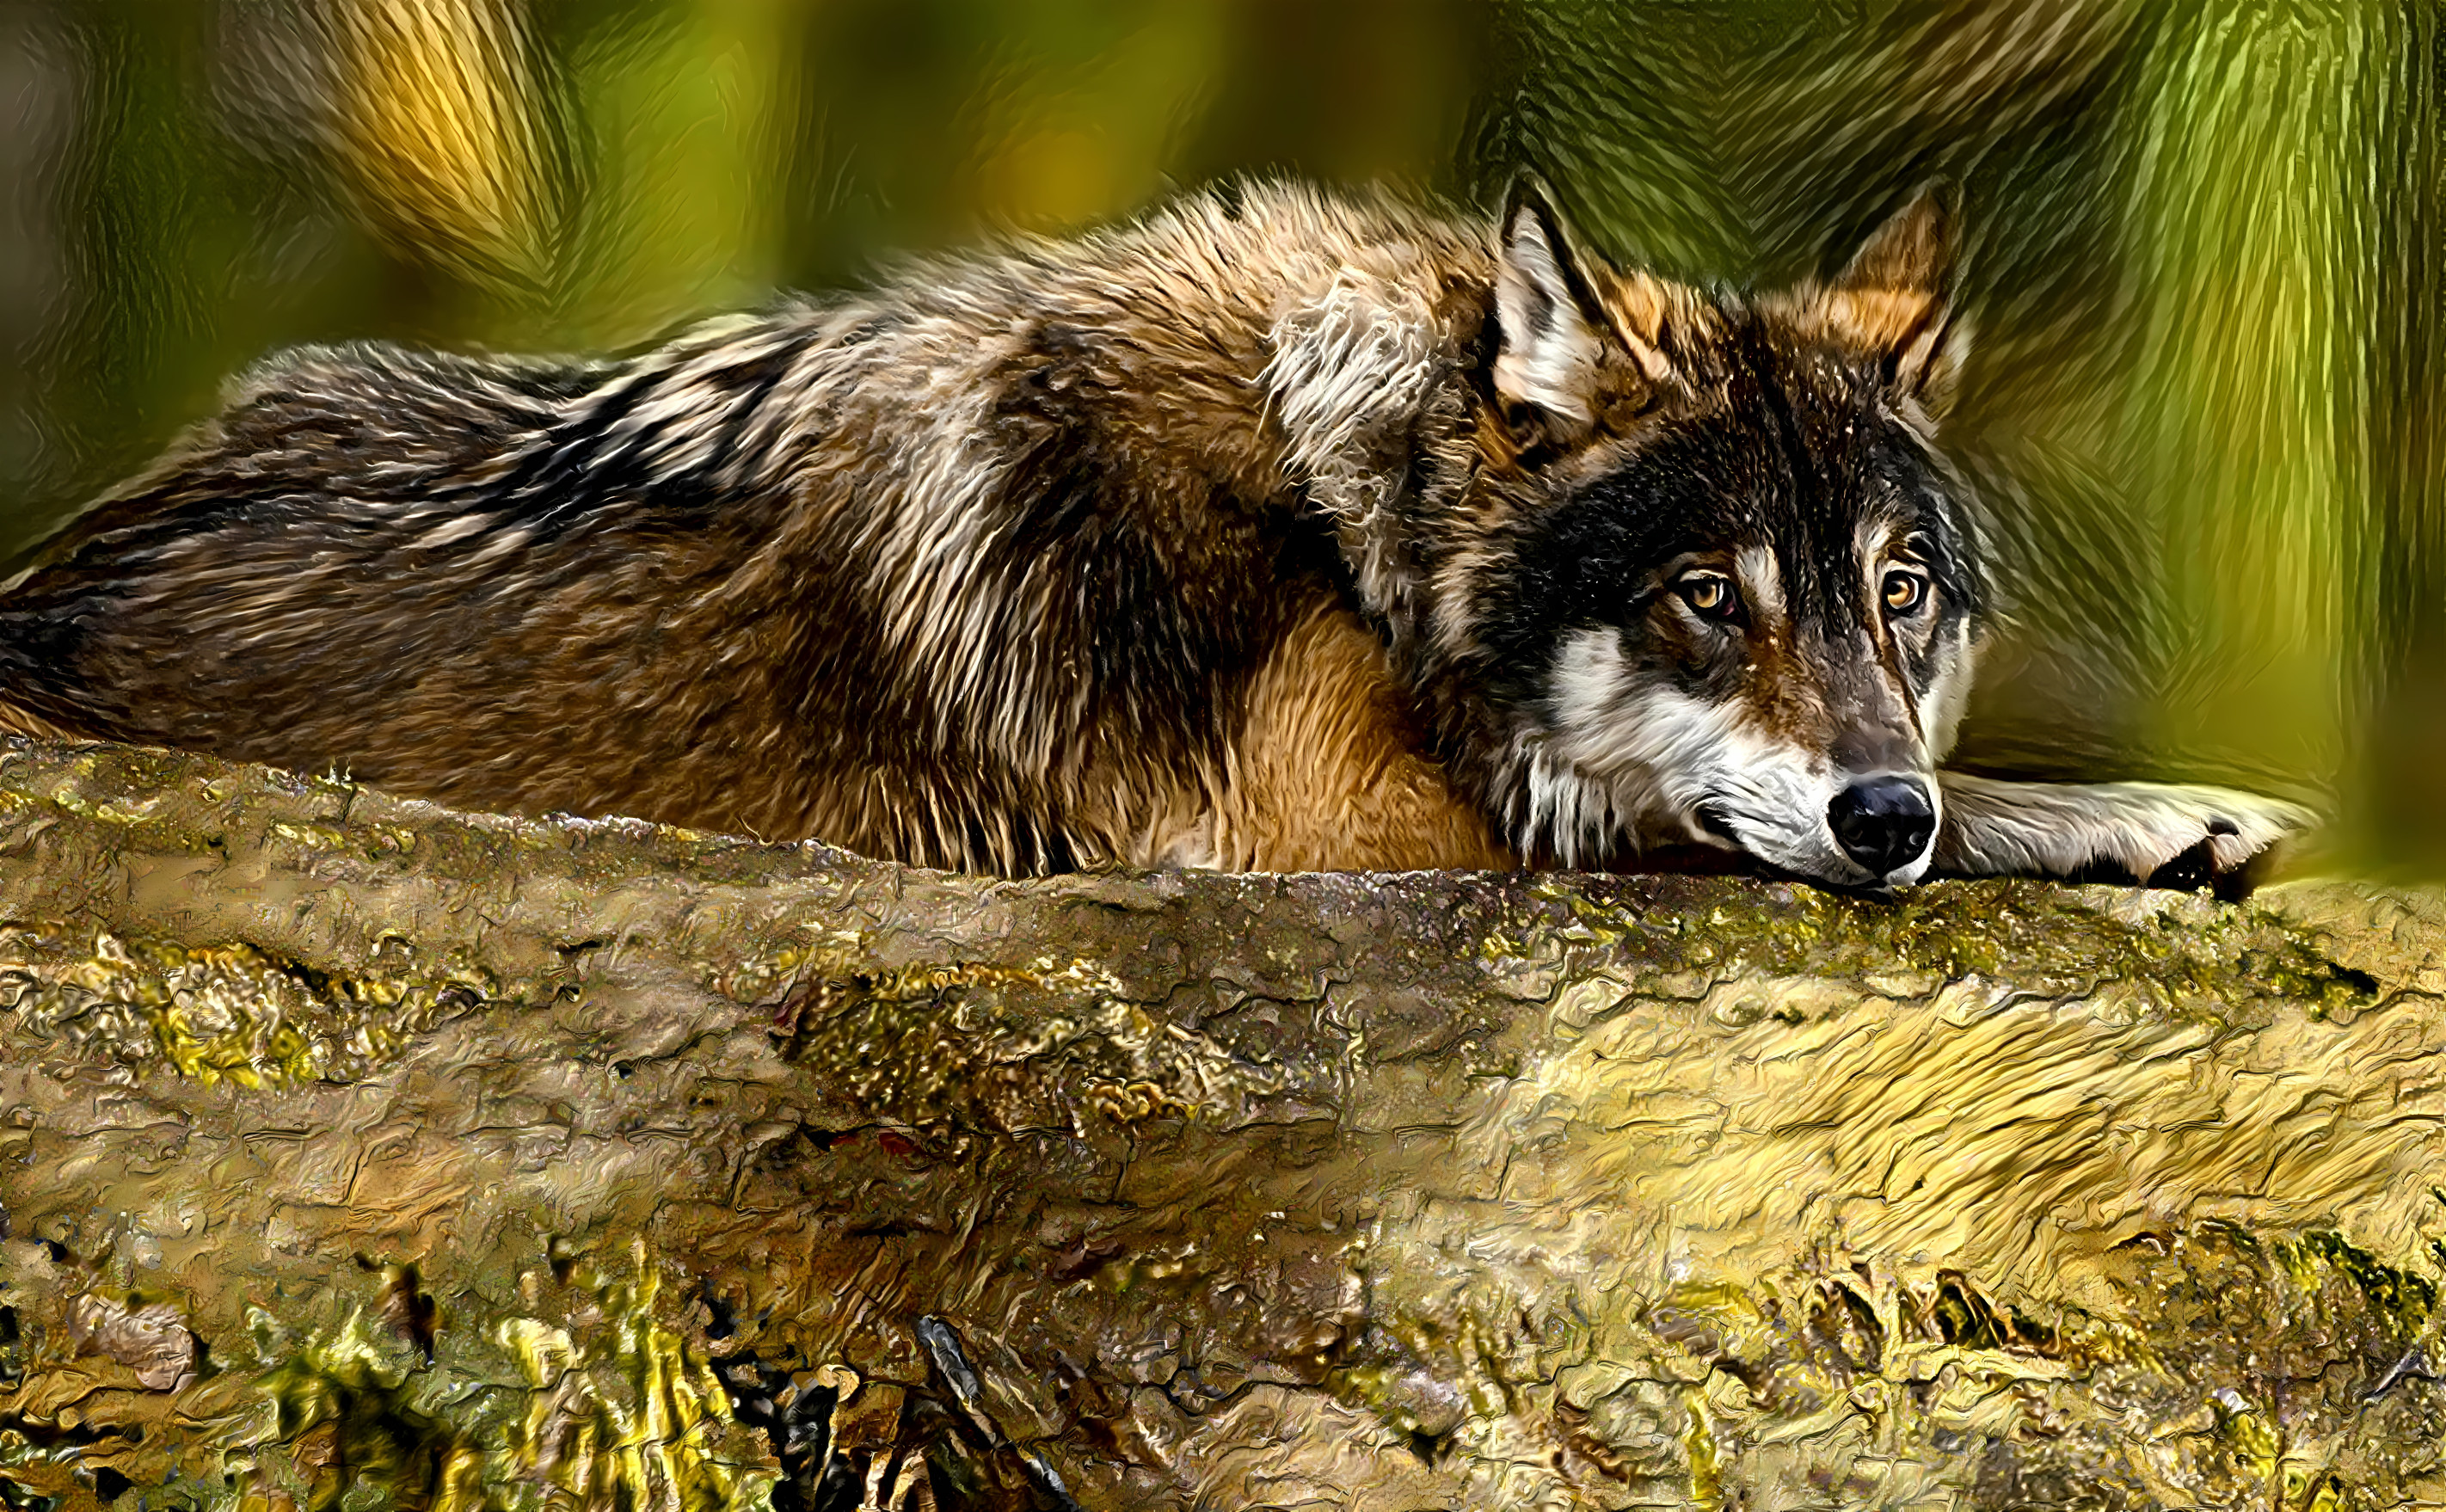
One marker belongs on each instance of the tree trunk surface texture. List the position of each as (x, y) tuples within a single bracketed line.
[(357, 1153)]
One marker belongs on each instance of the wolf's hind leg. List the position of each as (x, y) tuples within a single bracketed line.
[(2142, 832)]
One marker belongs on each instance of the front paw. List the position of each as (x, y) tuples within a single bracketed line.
[(2221, 840), (2145, 833)]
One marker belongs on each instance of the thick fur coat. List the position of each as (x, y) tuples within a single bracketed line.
[(1274, 531)]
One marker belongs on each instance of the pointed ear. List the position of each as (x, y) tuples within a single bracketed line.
[(1893, 299), (1551, 326)]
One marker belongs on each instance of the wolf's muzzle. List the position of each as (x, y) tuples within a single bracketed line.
[(1882, 823)]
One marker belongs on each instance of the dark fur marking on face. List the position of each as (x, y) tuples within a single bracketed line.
[(1792, 457)]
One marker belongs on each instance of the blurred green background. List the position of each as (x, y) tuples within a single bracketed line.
[(2202, 406)]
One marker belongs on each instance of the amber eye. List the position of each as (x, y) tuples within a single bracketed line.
[(1711, 593), (1905, 593)]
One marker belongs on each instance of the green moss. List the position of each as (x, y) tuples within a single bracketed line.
[(628, 1421), (2404, 1298), (226, 1012), (2181, 953), (348, 1419), (605, 1407)]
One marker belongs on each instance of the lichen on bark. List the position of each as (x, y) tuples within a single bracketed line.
[(357, 1153)]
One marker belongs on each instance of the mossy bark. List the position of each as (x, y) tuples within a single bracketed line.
[(357, 1153)]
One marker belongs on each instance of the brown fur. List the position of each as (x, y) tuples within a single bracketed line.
[(1204, 541), (1327, 771), (729, 675)]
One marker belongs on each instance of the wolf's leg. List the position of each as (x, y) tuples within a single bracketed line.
[(1328, 771), (2172, 836)]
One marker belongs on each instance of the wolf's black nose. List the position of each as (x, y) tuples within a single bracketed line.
[(1882, 821)]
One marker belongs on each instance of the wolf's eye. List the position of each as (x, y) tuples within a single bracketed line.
[(1905, 593), (1711, 593)]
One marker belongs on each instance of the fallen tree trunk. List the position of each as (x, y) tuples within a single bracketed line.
[(357, 1153)]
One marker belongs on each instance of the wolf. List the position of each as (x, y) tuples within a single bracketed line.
[(1276, 530)]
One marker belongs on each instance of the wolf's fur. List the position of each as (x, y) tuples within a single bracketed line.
[(1274, 531)]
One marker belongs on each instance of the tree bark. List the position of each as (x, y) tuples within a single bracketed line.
[(354, 1152)]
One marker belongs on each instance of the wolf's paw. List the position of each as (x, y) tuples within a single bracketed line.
[(2131, 832), (2190, 837)]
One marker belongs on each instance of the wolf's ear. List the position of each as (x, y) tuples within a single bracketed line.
[(1552, 327), (1893, 299)]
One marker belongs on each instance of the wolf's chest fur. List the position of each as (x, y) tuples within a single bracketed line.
[(1275, 530)]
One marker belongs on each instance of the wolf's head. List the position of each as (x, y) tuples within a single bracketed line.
[(1713, 581)]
